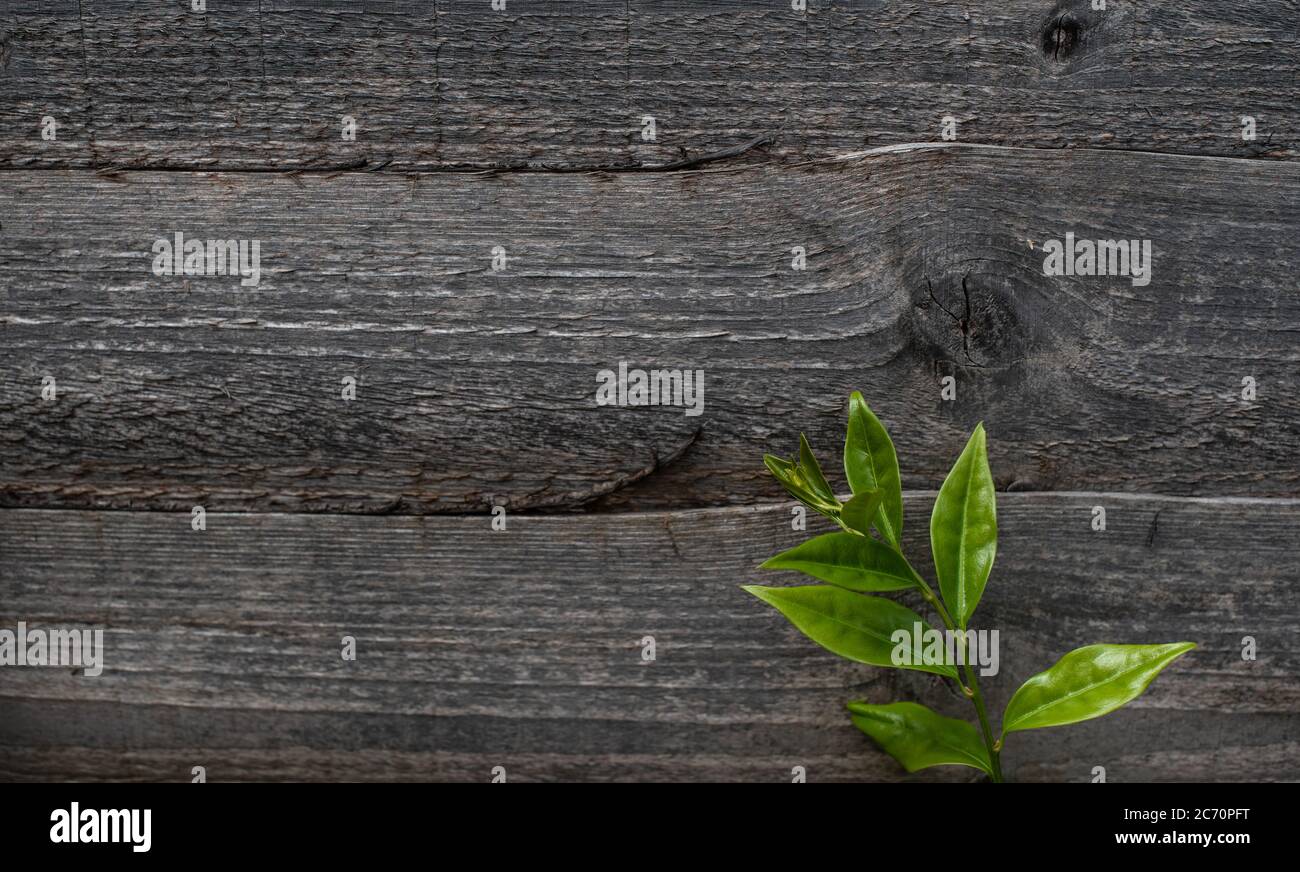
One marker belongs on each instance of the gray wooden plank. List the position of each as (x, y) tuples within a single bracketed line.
[(264, 85), (521, 647), (478, 387)]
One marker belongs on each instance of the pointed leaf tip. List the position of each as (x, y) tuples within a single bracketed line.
[(854, 626), (919, 738), (847, 560), (870, 463), (1087, 683), (964, 530)]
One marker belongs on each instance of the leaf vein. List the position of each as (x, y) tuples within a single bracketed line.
[(1074, 693)]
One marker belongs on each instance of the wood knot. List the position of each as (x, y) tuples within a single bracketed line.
[(969, 323), (1062, 35)]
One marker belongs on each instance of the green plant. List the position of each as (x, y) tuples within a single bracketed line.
[(844, 617)]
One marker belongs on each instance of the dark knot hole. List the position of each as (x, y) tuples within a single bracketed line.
[(1062, 37)]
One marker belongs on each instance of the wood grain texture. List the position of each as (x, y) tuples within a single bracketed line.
[(521, 647), (264, 84), (476, 386)]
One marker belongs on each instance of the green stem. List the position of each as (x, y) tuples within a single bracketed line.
[(972, 682), (989, 743)]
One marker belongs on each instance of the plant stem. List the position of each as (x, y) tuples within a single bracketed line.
[(972, 682), (978, 699)]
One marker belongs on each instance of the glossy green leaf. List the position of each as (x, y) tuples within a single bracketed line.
[(964, 530), (871, 464), (848, 560), (812, 472), (860, 511), (919, 738), (793, 480), (851, 625), (1088, 683)]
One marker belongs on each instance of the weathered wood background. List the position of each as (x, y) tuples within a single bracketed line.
[(522, 129)]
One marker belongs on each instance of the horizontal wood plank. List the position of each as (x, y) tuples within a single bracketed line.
[(477, 386), (265, 84), (522, 647)]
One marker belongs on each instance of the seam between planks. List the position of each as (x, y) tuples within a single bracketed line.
[(686, 165), (751, 508)]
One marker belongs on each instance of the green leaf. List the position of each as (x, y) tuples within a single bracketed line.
[(784, 471), (851, 625), (871, 464), (1088, 683), (812, 473), (964, 530), (859, 511), (793, 481), (919, 738), (849, 561)]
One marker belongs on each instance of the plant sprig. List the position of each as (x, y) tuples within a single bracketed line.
[(844, 617)]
